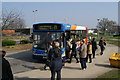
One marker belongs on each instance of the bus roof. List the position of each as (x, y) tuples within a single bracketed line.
[(64, 26), (75, 27), (47, 23)]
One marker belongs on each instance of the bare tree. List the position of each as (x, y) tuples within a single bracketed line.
[(12, 20), (106, 26)]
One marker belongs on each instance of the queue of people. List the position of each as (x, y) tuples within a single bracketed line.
[(86, 51), (55, 62)]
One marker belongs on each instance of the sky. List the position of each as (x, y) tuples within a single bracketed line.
[(60, 0), (79, 13), (119, 14)]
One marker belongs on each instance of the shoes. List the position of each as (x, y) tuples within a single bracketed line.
[(69, 61), (84, 69), (45, 68)]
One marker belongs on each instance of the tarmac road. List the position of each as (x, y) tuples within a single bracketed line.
[(22, 61)]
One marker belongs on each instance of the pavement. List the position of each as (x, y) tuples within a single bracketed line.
[(99, 66)]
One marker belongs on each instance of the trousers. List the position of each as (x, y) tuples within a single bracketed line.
[(83, 63), (58, 75)]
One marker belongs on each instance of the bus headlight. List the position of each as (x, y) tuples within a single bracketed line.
[(35, 46), (46, 51)]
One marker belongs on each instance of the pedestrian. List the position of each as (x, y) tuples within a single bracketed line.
[(68, 50), (47, 63), (94, 47), (56, 61), (89, 52), (102, 45), (83, 54), (6, 69), (105, 43), (74, 53)]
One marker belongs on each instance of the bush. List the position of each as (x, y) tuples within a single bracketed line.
[(25, 41), (8, 42)]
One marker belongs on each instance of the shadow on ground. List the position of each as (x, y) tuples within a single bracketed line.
[(105, 65), (67, 78), (25, 56), (76, 68)]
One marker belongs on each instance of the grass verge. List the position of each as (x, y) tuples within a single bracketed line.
[(115, 42), (111, 74)]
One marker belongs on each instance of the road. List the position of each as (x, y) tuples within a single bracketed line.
[(25, 68), (22, 61)]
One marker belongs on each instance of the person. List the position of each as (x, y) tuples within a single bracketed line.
[(60, 40), (74, 53), (47, 63), (68, 50), (102, 45), (94, 47), (89, 52), (83, 53), (6, 69), (56, 61)]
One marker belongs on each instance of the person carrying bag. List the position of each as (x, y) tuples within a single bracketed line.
[(55, 61)]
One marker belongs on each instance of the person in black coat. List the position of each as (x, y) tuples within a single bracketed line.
[(94, 47), (54, 56), (74, 53), (6, 69), (102, 45)]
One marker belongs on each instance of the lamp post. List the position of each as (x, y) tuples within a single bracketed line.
[(106, 31), (34, 15), (97, 28), (34, 19)]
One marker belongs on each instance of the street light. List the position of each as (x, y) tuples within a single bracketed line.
[(34, 15), (98, 19), (97, 28), (34, 19), (106, 31)]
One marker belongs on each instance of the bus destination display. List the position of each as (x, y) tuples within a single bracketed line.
[(47, 27)]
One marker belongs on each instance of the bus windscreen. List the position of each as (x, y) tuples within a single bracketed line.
[(47, 27)]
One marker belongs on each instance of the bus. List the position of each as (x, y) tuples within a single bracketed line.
[(78, 33), (44, 33)]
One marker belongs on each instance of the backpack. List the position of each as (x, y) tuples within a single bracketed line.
[(56, 53), (100, 43)]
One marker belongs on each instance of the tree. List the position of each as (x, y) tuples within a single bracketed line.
[(106, 26), (12, 20)]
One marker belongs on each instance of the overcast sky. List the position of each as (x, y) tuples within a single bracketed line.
[(80, 13)]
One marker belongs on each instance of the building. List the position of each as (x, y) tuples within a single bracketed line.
[(93, 31), (22, 31)]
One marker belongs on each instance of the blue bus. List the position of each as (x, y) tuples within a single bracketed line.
[(44, 33)]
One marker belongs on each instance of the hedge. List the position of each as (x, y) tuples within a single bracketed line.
[(8, 42), (25, 41)]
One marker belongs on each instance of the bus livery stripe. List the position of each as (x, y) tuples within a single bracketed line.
[(73, 27)]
